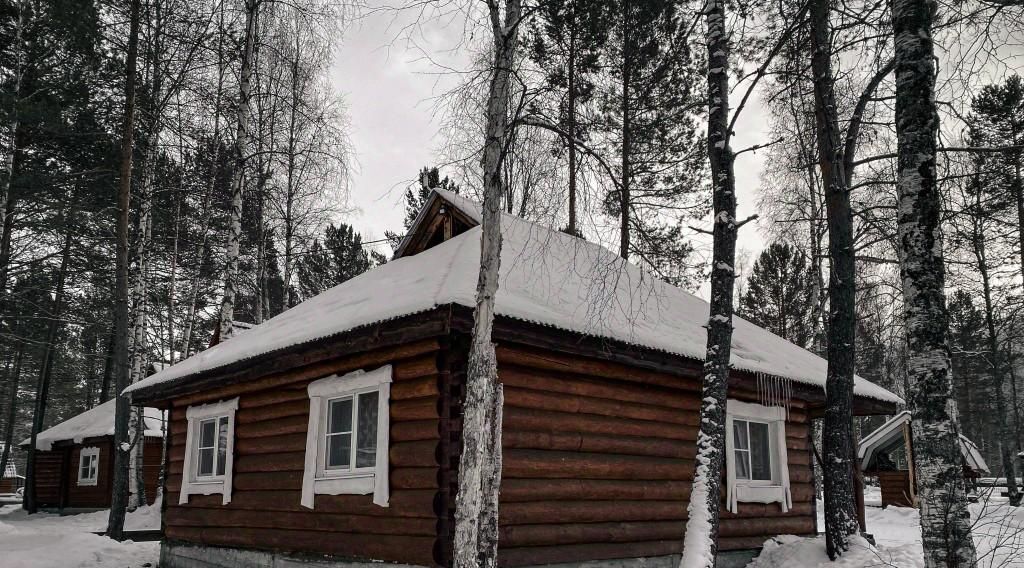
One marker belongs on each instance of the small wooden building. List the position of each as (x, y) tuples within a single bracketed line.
[(331, 433), (74, 459), (897, 483), (10, 481)]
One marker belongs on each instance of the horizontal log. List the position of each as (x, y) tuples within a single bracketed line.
[(290, 461), (403, 503), (576, 404), (544, 464), (520, 490), (304, 521), (263, 413), (413, 368), (580, 385), (415, 388), (288, 425), (265, 481), (766, 527), (551, 361), (367, 360), (572, 553), (414, 409), (270, 444), (580, 533), (545, 420), (413, 430), (572, 441), (558, 512), (286, 393), (414, 454), (415, 478), (407, 549)]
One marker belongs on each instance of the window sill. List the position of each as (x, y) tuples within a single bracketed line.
[(87, 483), (764, 494), (201, 488), (352, 484)]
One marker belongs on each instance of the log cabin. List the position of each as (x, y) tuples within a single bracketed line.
[(875, 458), (330, 434), (75, 465)]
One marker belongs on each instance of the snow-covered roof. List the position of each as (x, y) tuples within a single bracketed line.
[(889, 435), (96, 422), (547, 277)]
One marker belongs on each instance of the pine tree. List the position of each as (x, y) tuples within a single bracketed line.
[(778, 294)]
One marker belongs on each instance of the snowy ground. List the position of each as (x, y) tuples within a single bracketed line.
[(998, 532), (51, 541)]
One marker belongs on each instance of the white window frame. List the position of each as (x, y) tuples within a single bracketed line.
[(317, 479), (758, 491), (93, 454), (191, 482)]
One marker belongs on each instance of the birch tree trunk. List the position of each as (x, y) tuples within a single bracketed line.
[(837, 429), (700, 547), (227, 307), (476, 505), (945, 520), (119, 488)]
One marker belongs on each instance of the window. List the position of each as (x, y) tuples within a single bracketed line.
[(347, 438), (757, 469), (88, 466), (210, 441)]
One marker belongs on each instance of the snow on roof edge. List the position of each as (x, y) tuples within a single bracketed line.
[(755, 349)]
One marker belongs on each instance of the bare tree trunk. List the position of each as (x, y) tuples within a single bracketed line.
[(119, 492), (945, 520), (840, 514), (45, 372), (476, 505), (6, 196), (227, 307), (571, 144), (700, 547), (12, 408), (996, 363), (627, 174)]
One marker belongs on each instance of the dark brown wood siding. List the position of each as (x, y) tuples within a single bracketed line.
[(599, 458), (270, 443), (57, 474)]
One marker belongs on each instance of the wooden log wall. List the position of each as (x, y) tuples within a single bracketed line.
[(57, 484), (48, 477), (599, 458), (270, 442)]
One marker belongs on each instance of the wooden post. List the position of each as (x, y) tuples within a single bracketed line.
[(909, 446)]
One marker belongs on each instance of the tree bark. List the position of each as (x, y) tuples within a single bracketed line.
[(571, 103), (476, 505), (996, 363), (840, 514), (227, 307), (624, 186), (700, 547), (945, 520), (119, 491), (12, 408), (45, 372)]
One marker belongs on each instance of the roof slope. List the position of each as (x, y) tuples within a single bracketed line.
[(98, 421), (888, 436), (548, 278)]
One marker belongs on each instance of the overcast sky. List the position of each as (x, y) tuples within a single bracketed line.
[(389, 87)]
